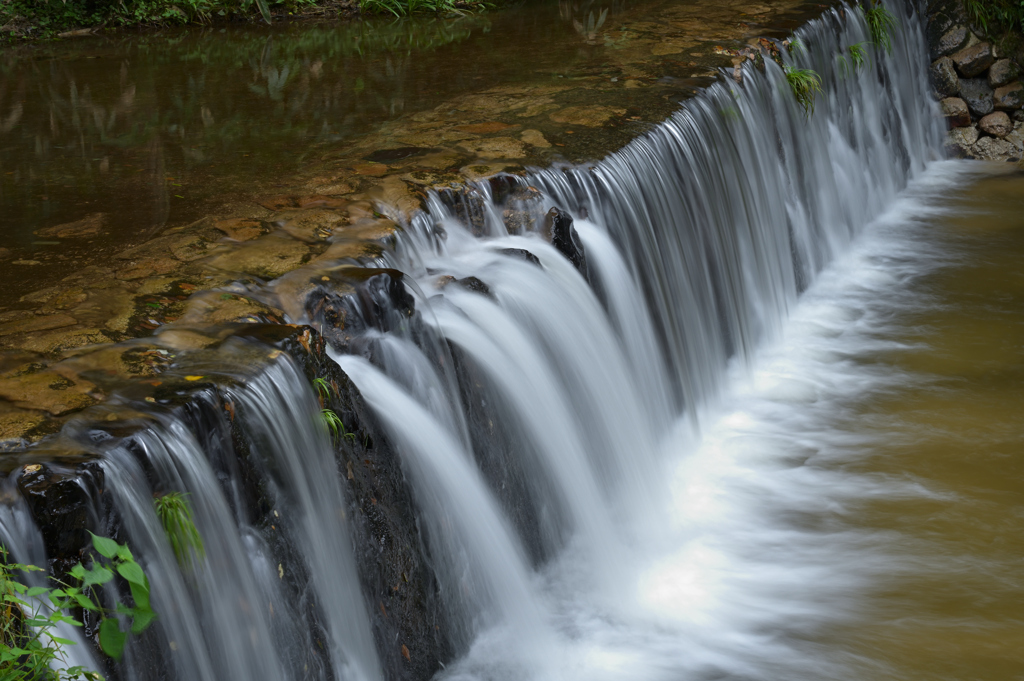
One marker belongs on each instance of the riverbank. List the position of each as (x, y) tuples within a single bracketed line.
[(27, 21)]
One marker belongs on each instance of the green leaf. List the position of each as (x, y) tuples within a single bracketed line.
[(37, 591), (78, 572), (112, 638), (140, 594), (106, 547), (85, 602), (62, 641), (97, 575), (143, 618), (124, 553), (133, 573)]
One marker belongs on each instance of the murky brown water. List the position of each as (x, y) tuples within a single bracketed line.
[(951, 604)]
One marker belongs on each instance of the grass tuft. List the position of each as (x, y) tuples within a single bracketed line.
[(805, 84), (881, 24), (175, 515)]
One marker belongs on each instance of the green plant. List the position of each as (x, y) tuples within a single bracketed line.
[(29, 648), (858, 57), (996, 15), (881, 23), (804, 83), (324, 390), (401, 8), (334, 425), (175, 515)]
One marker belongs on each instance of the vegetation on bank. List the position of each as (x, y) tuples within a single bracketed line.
[(33, 19), (1002, 21)]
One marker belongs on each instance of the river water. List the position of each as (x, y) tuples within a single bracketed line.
[(771, 431)]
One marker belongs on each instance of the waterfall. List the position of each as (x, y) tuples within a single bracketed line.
[(538, 408)]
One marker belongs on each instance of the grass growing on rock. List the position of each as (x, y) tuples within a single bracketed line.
[(175, 515), (805, 84), (881, 24)]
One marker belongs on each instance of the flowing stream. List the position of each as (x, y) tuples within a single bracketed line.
[(769, 433)]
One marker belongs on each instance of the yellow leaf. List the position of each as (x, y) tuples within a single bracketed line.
[(194, 378)]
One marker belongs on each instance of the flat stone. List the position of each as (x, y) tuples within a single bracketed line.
[(241, 229), (974, 60), (44, 390), (588, 116), (268, 257), (978, 96), (495, 147), (1009, 97), (90, 225), (535, 139), (944, 78), (955, 111), (992, 149), (485, 128), (1002, 72), (148, 267), (37, 323), (952, 40), (997, 124)]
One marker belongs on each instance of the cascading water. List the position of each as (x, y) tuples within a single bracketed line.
[(540, 410)]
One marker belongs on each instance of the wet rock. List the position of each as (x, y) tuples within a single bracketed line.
[(565, 239), (944, 78), (587, 116), (495, 147), (978, 96), (535, 138), (17, 427), (90, 225), (523, 205), (1018, 116), (487, 128), (1009, 97), (974, 60), (41, 389), (467, 205), (241, 229), (268, 257), (5, 254), (148, 267), (277, 203), (1002, 72), (522, 254), (36, 323), (997, 124), (63, 504), (952, 41), (473, 284), (959, 141), (992, 149), (956, 112), (397, 154), (352, 300), (218, 307)]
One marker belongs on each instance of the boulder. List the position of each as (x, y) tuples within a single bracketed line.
[(974, 60), (951, 41), (1002, 72), (1018, 115), (565, 239), (959, 141), (992, 149), (956, 112), (978, 96), (944, 78), (521, 254), (997, 124), (1009, 97)]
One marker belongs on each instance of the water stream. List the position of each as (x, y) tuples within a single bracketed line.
[(769, 433)]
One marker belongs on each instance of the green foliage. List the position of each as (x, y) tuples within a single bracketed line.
[(858, 57), (30, 650), (996, 15), (881, 23), (804, 83), (334, 425), (401, 8), (323, 389), (175, 515)]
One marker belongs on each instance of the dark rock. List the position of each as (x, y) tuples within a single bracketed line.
[(1002, 72), (997, 124), (63, 503), (938, 24), (978, 96), (355, 299), (952, 40), (1009, 97), (565, 239), (474, 284), (1018, 116), (956, 112), (974, 60), (467, 205), (944, 78), (391, 155), (522, 254), (522, 205)]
